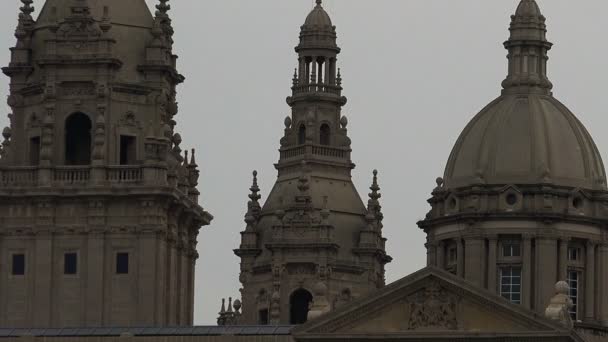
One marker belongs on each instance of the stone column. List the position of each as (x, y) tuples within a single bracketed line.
[(460, 257), (526, 271), (431, 256), (474, 259), (546, 271), (441, 255), (603, 295), (563, 258), (590, 282), (492, 255)]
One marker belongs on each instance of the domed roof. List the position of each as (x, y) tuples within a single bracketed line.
[(525, 139), (526, 136), (528, 8), (318, 17)]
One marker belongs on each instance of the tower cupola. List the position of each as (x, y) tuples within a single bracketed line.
[(522, 203)]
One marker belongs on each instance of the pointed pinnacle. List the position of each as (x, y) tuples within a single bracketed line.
[(193, 157), (375, 187)]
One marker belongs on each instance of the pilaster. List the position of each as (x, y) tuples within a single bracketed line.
[(492, 256), (43, 278), (590, 274), (546, 271), (526, 272), (474, 260)]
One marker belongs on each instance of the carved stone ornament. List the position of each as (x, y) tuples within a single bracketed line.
[(433, 308)]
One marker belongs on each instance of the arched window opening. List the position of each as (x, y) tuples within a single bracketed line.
[(325, 134), (302, 135), (299, 306), (78, 140)]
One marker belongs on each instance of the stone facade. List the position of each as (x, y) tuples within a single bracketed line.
[(313, 241), (98, 207)]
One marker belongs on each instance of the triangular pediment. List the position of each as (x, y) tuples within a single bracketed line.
[(430, 303)]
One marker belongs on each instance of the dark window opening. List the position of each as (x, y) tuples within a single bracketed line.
[(299, 306), (263, 317), (302, 135), (122, 263), (128, 150), (78, 140), (70, 263), (573, 254), (18, 264), (35, 151), (325, 135), (511, 248), (511, 199), (452, 255)]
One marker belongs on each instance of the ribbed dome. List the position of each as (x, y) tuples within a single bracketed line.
[(525, 139), (318, 17)]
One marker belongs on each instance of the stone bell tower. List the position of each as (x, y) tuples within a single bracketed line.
[(98, 207), (313, 243)]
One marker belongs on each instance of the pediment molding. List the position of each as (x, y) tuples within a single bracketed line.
[(435, 303)]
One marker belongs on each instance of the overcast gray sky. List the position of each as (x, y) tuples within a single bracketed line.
[(415, 72)]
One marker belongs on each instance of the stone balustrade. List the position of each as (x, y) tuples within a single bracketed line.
[(317, 88), (317, 150), (12, 177)]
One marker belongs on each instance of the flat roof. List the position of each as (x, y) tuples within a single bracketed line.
[(257, 330)]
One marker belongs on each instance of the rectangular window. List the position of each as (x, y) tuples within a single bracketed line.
[(18, 264), (35, 151), (264, 317), (510, 284), (574, 283), (511, 248), (128, 149), (70, 263), (122, 263), (573, 254), (452, 255)]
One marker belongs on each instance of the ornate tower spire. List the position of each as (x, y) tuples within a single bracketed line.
[(528, 47), (302, 239)]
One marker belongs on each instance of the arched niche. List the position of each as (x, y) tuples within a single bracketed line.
[(78, 139), (299, 305)]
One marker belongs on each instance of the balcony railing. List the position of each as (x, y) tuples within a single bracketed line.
[(317, 88), (11, 177), (67, 175), (316, 150), (124, 174), (20, 176)]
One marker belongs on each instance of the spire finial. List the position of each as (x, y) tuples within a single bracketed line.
[(255, 189), (375, 188), (163, 7), (27, 9), (528, 33), (319, 2)]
